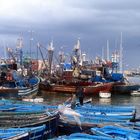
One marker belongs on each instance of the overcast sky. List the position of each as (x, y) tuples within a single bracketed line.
[(64, 21)]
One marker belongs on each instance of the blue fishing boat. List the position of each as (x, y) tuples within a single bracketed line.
[(117, 132), (17, 107), (85, 119), (88, 115), (19, 87), (82, 136), (33, 133), (15, 114), (14, 135), (133, 125), (109, 116), (111, 110)]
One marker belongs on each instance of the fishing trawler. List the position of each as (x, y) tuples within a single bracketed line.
[(72, 75), (15, 82)]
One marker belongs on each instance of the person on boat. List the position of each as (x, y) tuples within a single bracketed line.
[(73, 101), (80, 94)]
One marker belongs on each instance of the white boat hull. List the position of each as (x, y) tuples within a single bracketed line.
[(36, 100), (135, 93), (104, 94)]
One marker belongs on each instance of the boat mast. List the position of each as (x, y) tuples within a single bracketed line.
[(30, 53), (19, 47), (50, 57), (121, 55), (77, 52), (61, 56), (102, 53), (39, 47), (31, 39), (5, 56)]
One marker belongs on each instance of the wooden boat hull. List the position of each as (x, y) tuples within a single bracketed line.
[(95, 89), (17, 114), (58, 88), (8, 92), (117, 132), (92, 115), (107, 109), (83, 136), (71, 126), (135, 125), (29, 91), (19, 92), (89, 89), (23, 133)]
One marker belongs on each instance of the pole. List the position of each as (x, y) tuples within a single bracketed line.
[(107, 50), (121, 69), (31, 39)]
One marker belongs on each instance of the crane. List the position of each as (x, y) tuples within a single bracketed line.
[(10, 52), (39, 46)]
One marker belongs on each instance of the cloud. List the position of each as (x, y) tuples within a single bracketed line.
[(94, 21)]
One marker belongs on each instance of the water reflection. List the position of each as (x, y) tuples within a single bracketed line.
[(105, 101), (136, 101), (54, 98)]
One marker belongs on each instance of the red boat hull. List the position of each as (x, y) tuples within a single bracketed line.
[(95, 89), (58, 88), (88, 89)]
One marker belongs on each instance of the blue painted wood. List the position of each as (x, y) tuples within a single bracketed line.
[(117, 132)]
